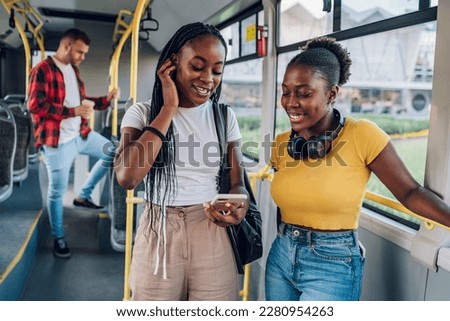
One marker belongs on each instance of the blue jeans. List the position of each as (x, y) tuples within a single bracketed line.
[(59, 161), (305, 265)]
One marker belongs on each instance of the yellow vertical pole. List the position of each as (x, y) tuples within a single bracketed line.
[(8, 4), (245, 292), (262, 174), (141, 6), (25, 9), (26, 47), (114, 65), (37, 31), (114, 83)]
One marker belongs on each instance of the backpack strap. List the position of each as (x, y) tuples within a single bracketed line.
[(220, 117), (250, 227)]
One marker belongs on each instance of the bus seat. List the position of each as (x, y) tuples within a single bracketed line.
[(107, 123), (17, 97), (117, 206), (23, 134), (118, 212), (7, 150), (33, 153)]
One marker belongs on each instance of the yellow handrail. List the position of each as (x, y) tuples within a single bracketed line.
[(24, 8), (124, 30), (27, 13), (262, 174), (245, 292), (140, 8), (429, 224), (114, 71), (122, 26)]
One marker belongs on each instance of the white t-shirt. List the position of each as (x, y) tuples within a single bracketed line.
[(197, 153), (69, 127)]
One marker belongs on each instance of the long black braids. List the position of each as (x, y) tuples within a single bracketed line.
[(163, 170)]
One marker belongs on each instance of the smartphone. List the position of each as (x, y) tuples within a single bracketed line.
[(221, 199)]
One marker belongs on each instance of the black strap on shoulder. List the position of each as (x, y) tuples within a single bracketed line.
[(253, 216), (220, 118)]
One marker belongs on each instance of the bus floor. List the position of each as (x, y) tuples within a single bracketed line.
[(92, 273)]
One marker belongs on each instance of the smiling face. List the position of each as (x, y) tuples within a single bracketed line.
[(199, 67), (306, 99)]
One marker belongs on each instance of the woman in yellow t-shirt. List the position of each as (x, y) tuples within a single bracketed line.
[(322, 166)]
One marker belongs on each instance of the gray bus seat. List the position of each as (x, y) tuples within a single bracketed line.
[(23, 134), (18, 97), (118, 212), (7, 150)]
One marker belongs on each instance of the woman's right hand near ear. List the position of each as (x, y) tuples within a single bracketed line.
[(169, 89)]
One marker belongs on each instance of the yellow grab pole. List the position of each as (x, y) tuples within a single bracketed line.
[(114, 82), (114, 67), (36, 27), (24, 8), (245, 292), (396, 205), (141, 6), (8, 4), (26, 47), (262, 174)]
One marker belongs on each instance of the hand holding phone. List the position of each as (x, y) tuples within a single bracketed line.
[(219, 202)]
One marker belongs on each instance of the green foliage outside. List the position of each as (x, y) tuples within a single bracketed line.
[(395, 125), (391, 125), (411, 150), (413, 153), (250, 128), (250, 125)]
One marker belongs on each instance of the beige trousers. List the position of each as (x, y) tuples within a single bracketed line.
[(197, 256)]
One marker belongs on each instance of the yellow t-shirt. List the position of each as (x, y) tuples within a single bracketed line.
[(327, 193)]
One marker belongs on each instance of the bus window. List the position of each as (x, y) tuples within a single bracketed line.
[(248, 35), (241, 89), (231, 36), (301, 20), (375, 11), (281, 120), (242, 79), (394, 92), (241, 36)]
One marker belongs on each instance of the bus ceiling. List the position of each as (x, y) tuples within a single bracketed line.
[(59, 16)]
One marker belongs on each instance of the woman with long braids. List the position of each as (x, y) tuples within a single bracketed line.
[(322, 166), (181, 249)]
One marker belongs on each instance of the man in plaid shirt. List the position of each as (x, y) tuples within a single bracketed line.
[(60, 110)]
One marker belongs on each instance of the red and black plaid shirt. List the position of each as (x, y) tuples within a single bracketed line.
[(46, 102)]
